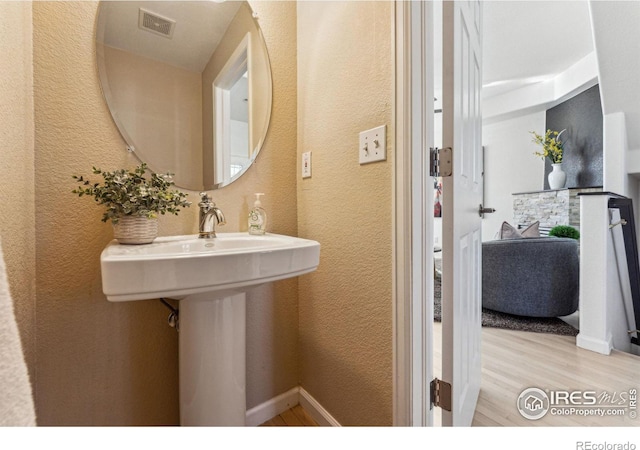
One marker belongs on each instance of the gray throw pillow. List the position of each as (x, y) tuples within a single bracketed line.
[(532, 231), (508, 231)]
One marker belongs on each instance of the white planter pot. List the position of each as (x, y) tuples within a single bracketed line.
[(135, 230), (557, 178)]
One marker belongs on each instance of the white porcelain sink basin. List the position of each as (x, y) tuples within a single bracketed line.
[(179, 266)]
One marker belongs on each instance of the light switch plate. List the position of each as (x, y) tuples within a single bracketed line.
[(306, 165), (373, 145)]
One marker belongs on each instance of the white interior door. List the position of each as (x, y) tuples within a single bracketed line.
[(462, 196)]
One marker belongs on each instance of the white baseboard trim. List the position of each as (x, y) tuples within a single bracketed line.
[(316, 411), (594, 344), (277, 405), (271, 408)]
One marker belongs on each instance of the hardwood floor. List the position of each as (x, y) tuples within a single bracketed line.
[(294, 417), (515, 360)]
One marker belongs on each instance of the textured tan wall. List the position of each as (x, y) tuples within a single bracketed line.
[(98, 363), (101, 363), (346, 85), (17, 225)]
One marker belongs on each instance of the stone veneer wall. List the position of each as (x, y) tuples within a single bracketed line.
[(551, 207)]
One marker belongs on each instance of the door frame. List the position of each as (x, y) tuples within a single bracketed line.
[(413, 216)]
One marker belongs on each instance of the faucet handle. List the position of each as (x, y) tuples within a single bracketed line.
[(205, 198)]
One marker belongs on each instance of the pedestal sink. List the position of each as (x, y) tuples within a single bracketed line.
[(210, 278)]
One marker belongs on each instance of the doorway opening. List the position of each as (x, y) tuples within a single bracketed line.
[(232, 103)]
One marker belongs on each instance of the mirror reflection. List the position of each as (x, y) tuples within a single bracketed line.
[(188, 84)]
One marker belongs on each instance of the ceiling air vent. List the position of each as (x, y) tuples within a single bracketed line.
[(155, 23)]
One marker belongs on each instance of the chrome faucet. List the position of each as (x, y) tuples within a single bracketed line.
[(209, 215)]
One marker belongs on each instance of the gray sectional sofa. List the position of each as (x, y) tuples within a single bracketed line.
[(535, 277)]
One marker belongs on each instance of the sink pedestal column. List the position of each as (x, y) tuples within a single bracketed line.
[(212, 360)]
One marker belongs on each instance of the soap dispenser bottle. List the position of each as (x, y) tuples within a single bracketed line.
[(257, 217)]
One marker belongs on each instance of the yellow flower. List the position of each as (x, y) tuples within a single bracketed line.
[(552, 146)]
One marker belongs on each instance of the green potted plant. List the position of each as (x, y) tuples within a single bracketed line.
[(133, 201), (564, 231), (552, 148)]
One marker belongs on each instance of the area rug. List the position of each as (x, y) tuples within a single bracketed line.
[(495, 319)]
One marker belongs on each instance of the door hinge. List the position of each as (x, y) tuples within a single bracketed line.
[(440, 162), (441, 394)]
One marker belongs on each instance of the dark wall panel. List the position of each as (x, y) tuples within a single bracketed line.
[(581, 116)]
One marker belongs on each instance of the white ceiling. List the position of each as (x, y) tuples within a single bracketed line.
[(199, 27), (530, 41), (525, 42)]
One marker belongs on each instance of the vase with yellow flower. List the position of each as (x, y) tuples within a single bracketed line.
[(552, 148)]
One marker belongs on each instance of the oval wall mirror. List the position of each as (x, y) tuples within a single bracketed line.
[(188, 84)]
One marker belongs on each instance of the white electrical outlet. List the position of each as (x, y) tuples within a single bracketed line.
[(373, 145), (306, 165)]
